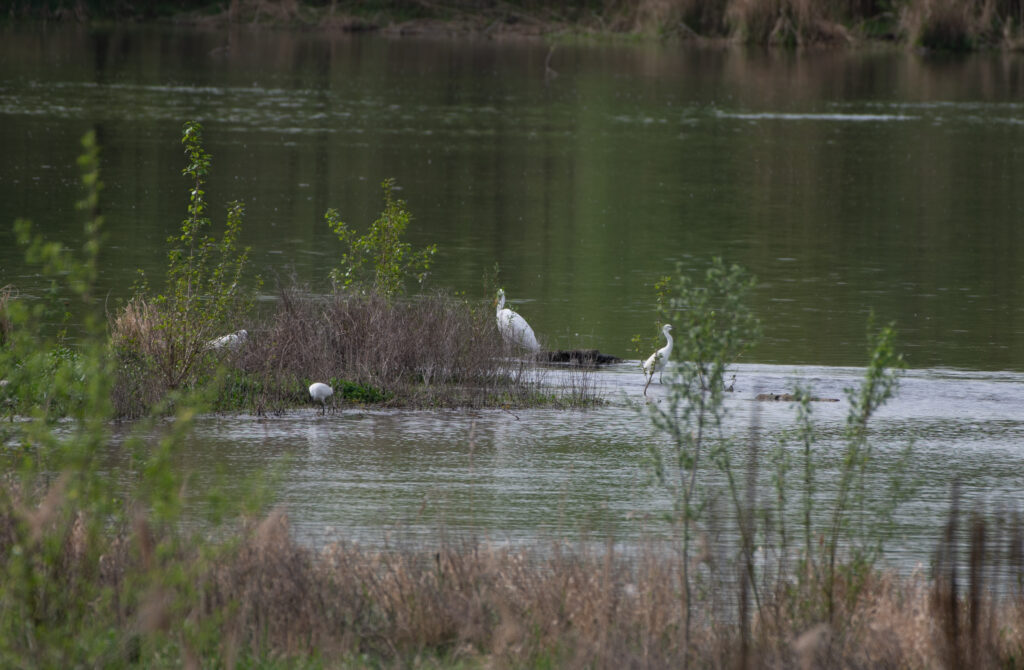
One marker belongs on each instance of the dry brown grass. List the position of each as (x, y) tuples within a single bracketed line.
[(274, 12), (143, 352), (685, 18), (786, 22), (259, 594), (565, 607), (938, 23), (560, 606), (428, 351), (473, 603), (136, 327), (959, 25), (431, 350)]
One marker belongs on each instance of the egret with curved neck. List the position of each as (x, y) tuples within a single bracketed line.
[(657, 360), (513, 328)]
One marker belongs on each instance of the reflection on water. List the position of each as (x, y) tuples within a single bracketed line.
[(817, 117), (536, 475), (847, 182)]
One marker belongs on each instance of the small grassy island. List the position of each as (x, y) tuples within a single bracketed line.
[(365, 337)]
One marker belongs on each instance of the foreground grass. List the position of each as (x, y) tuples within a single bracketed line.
[(258, 599)]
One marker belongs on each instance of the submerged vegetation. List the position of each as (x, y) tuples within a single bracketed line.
[(933, 24)]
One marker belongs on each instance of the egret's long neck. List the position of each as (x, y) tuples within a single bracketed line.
[(668, 338), (501, 302)]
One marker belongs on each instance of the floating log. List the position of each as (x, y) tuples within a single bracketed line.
[(578, 357), (788, 397)]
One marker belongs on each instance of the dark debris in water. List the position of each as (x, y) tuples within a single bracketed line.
[(588, 357), (788, 397)]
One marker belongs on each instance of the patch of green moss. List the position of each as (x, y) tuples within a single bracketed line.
[(363, 394)]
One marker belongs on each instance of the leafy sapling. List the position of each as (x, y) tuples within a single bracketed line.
[(380, 258)]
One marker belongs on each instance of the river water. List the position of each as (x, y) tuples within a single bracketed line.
[(847, 182), (539, 475)]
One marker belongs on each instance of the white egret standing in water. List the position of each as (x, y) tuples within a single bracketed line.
[(657, 360), (513, 327), (320, 392)]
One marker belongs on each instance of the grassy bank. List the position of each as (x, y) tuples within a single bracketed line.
[(932, 24)]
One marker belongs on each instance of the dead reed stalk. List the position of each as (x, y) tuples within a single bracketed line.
[(789, 23), (974, 622), (954, 25), (6, 326)]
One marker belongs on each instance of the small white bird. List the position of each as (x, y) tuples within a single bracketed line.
[(230, 341), (657, 360), (320, 392), (513, 328)]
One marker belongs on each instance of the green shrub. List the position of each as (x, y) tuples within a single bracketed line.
[(703, 466), (713, 327), (380, 258), (166, 337), (97, 568)]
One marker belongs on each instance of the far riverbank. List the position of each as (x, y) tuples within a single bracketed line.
[(946, 25)]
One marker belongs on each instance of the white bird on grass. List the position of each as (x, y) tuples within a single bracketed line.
[(320, 392), (513, 328), (657, 360), (230, 341)]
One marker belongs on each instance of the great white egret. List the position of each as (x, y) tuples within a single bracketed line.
[(230, 341), (513, 327), (320, 392), (657, 360)]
